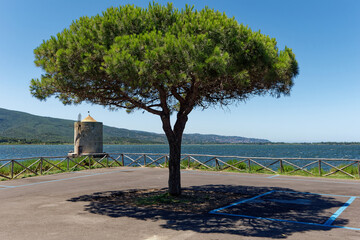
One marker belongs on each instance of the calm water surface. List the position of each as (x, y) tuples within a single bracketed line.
[(304, 151)]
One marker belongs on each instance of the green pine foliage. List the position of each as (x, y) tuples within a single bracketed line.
[(126, 56)]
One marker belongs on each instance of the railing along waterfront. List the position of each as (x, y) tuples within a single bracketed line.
[(20, 167)]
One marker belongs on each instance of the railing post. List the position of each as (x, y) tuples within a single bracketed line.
[(12, 169), (44, 165), (41, 166)]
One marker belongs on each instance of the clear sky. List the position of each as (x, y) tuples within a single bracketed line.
[(324, 35)]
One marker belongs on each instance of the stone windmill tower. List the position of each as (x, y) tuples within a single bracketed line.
[(88, 137)]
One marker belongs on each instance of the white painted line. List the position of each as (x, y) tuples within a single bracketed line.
[(65, 179), (279, 178)]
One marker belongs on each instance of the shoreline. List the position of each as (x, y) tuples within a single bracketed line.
[(165, 144)]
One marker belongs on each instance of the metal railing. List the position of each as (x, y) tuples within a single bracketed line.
[(15, 168)]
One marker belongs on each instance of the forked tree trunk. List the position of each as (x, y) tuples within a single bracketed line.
[(174, 139)]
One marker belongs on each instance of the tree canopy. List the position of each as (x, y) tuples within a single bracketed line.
[(129, 56), (162, 60)]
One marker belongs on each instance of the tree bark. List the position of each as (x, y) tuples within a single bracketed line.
[(174, 169), (174, 139)]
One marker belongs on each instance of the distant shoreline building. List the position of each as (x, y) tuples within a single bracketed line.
[(88, 137)]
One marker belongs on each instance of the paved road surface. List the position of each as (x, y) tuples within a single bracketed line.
[(59, 207)]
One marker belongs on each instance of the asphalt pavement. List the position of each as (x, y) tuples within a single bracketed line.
[(280, 207)]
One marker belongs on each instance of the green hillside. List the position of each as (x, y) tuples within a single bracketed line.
[(20, 127)]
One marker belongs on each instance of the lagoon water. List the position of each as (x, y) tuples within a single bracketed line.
[(281, 150)]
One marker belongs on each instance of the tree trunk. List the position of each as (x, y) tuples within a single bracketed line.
[(174, 139), (174, 168)]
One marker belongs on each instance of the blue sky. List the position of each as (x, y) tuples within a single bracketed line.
[(324, 35)]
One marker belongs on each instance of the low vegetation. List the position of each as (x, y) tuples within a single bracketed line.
[(233, 165), (75, 164)]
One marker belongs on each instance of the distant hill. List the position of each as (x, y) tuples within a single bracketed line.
[(20, 127)]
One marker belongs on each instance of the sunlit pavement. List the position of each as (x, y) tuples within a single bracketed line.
[(45, 207)]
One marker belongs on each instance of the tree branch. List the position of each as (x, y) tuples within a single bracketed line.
[(177, 95), (143, 106), (125, 97), (163, 100), (190, 99)]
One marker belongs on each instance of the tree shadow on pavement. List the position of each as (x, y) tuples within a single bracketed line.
[(298, 207)]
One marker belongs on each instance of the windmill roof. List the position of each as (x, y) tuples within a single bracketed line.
[(88, 119)]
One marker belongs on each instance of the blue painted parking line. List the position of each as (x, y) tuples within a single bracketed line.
[(339, 211), (242, 201), (273, 176), (4, 186), (64, 179), (328, 223), (286, 221)]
